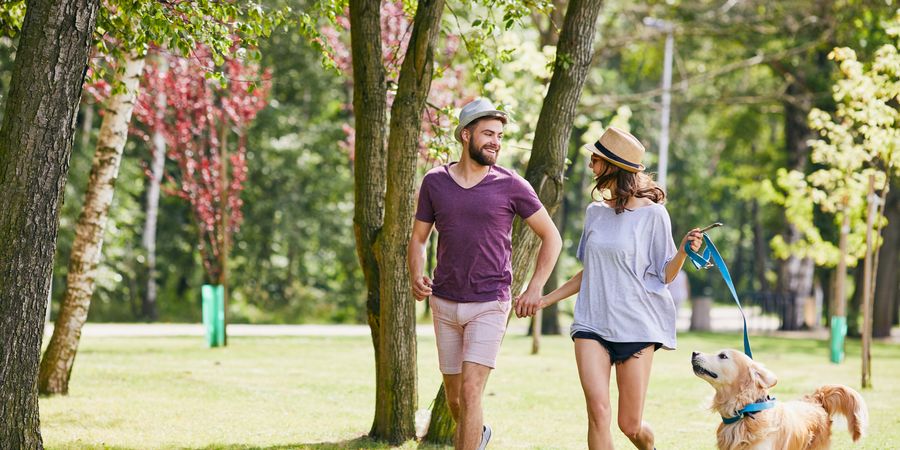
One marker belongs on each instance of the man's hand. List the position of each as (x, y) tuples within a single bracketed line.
[(421, 287), (528, 303)]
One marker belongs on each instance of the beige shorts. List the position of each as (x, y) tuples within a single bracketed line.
[(468, 332)]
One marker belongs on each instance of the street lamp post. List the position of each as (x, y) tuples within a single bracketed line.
[(668, 28)]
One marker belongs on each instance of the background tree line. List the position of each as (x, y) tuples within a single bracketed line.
[(327, 170), (745, 79)]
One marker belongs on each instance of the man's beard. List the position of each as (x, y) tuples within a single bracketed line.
[(483, 157)]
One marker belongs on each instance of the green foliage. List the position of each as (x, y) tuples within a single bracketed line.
[(309, 23), (478, 25), (861, 139), (121, 277), (225, 28), (12, 13), (294, 258)]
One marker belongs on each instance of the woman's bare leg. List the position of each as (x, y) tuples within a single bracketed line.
[(633, 377), (594, 371)]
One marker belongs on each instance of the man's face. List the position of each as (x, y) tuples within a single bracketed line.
[(484, 142)]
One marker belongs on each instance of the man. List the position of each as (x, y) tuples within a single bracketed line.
[(472, 204)]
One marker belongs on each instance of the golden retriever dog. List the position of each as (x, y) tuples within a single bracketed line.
[(803, 424)]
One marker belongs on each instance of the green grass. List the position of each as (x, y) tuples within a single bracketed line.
[(318, 393)]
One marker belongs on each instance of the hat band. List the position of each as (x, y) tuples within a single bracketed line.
[(609, 154)]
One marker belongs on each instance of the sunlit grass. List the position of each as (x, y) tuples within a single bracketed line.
[(302, 392)]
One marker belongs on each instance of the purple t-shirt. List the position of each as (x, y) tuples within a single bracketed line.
[(475, 231)]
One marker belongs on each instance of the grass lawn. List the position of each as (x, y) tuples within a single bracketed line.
[(302, 392)]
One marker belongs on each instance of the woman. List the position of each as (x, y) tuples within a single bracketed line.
[(624, 310)]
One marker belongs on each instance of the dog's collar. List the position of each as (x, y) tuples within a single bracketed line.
[(751, 408)]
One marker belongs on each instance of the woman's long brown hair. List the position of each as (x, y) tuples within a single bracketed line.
[(625, 184)]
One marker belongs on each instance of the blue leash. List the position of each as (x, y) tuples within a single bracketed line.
[(710, 258)]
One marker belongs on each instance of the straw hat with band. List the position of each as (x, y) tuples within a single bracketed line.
[(620, 149), (477, 109)]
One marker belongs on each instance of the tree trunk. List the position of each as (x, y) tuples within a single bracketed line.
[(547, 164), (396, 397), (546, 167), (854, 306), (369, 160), (149, 311), (760, 249), (796, 274), (441, 428), (87, 124), (35, 145), (886, 280), (430, 263), (549, 316), (86, 250), (548, 25)]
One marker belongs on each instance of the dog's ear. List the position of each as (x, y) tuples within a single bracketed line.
[(762, 376)]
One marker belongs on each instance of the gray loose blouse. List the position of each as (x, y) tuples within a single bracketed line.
[(623, 295)]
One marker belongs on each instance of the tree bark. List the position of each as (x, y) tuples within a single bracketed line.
[(35, 145), (547, 164), (854, 306), (149, 311), (87, 124), (886, 280), (396, 396), (546, 167), (760, 249), (86, 250), (441, 427), (796, 273), (549, 316), (369, 160), (549, 25)]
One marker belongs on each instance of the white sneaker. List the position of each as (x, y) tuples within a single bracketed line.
[(485, 437)]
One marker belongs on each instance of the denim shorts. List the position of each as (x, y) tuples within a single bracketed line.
[(619, 352)]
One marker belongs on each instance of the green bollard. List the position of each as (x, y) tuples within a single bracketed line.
[(214, 314), (838, 333)]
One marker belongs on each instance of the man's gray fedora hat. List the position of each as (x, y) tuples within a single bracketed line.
[(474, 110)]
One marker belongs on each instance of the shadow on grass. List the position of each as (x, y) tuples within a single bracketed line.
[(360, 443)]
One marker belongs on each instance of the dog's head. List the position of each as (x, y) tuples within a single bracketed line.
[(737, 379)]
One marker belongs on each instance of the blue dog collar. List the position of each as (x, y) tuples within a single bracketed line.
[(751, 408)]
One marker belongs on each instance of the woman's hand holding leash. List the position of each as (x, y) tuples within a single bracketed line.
[(695, 237)]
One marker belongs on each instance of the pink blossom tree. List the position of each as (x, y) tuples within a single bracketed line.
[(448, 89), (204, 124)]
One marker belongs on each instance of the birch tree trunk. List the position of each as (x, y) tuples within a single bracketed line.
[(56, 366), (35, 145), (148, 240)]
